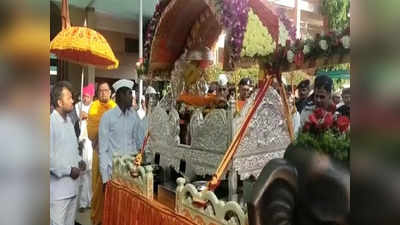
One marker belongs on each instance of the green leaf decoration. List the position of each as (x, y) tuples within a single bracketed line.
[(257, 40), (337, 146), (337, 12)]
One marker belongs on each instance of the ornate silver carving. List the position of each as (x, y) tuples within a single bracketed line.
[(174, 124), (241, 116), (122, 168), (266, 137), (252, 165), (196, 121), (210, 133), (167, 101), (160, 126), (216, 211)]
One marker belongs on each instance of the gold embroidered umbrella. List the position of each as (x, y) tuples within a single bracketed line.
[(82, 45), (85, 46)]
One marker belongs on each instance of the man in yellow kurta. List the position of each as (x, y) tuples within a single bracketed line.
[(96, 111)]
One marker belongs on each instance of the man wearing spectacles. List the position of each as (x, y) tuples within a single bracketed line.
[(96, 111)]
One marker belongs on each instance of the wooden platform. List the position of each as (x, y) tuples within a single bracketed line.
[(166, 195)]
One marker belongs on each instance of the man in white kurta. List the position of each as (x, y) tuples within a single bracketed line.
[(121, 130), (82, 110), (64, 159)]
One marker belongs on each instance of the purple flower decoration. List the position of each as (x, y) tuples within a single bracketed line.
[(234, 17), (288, 24)]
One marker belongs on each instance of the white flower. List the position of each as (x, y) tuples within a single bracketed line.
[(345, 41), (290, 56), (222, 80), (306, 49), (323, 44)]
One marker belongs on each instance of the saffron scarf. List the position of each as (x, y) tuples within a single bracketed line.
[(96, 111)]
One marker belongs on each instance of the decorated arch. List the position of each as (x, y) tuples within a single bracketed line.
[(186, 24)]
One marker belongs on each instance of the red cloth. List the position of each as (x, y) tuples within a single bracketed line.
[(123, 206)]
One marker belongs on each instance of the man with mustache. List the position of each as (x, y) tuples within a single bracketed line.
[(96, 112), (65, 163), (323, 86)]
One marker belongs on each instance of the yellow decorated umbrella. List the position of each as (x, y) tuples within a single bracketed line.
[(82, 45), (85, 46)]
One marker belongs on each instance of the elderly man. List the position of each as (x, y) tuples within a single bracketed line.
[(120, 131), (65, 164), (96, 111), (82, 110)]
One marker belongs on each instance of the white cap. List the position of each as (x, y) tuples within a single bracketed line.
[(150, 90), (122, 83), (222, 80)]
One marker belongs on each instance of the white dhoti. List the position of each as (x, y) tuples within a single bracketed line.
[(63, 212), (85, 195)]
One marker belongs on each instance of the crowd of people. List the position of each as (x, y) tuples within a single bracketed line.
[(85, 135), (83, 138), (223, 91)]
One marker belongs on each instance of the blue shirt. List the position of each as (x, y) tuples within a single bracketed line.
[(64, 155), (119, 133)]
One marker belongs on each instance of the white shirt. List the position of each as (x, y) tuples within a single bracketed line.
[(64, 154), (119, 133), (296, 123), (340, 104), (85, 108), (307, 111)]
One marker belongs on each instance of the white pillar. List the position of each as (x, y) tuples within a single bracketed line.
[(140, 92), (141, 31), (297, 18), (91, 23), (140, 50)]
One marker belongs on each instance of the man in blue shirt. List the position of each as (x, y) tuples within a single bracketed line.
[(121, 130)]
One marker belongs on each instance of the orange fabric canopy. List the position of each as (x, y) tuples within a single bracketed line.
[(85, 46)]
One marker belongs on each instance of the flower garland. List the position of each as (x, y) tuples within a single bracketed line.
[(287, 23), (151, 29), (234, 16), (329, 44), (324, 45), (283, 34), (326, 133)]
